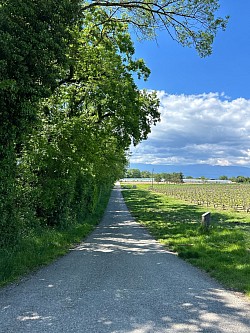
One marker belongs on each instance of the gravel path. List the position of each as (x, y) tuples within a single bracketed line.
[(120, 280)]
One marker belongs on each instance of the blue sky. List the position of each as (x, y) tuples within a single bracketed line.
[(205, 102)]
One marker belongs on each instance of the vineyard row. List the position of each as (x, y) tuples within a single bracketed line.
[(226, 196)]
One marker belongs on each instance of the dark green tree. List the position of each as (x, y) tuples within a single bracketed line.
[(223, 178), (157, 177), (79, 147), (146, 174), (34, 37), (133, 173)]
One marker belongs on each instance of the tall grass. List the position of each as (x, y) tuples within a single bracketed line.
[(223, 251)]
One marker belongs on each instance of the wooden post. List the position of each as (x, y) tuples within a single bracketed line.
[(205, 220)]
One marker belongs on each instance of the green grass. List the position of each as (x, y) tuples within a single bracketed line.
[(42, 246), (223, 251)]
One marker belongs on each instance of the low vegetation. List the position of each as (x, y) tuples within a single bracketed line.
[(224, 196), (223, 251), (42, 246)]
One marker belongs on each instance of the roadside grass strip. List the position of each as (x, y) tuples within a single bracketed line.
[(43, 245), (223, 250)]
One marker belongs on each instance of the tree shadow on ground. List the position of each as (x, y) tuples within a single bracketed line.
[(222, 250)]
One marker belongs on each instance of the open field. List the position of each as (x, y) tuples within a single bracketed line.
[(223, 251), (223, 196)]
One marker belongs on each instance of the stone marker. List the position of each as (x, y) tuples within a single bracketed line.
[(205, 220)]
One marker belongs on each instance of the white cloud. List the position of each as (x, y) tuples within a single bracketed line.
[(206, 128)]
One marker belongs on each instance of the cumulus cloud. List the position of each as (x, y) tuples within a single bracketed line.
[(205, 128)]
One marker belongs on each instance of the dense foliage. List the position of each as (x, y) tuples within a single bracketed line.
[(69, 105), (34, 38), (175, 177), (240, 179)]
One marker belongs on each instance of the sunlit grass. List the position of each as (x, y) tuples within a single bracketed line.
[(223, 251)]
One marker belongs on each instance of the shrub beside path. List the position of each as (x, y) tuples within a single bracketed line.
[(120, 280)]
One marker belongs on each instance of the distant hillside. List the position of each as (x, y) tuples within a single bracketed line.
[(195, 170)]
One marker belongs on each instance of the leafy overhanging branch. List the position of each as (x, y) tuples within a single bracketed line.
[(190, 23)]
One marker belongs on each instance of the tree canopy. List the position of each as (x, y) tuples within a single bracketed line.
[(189, 22)]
